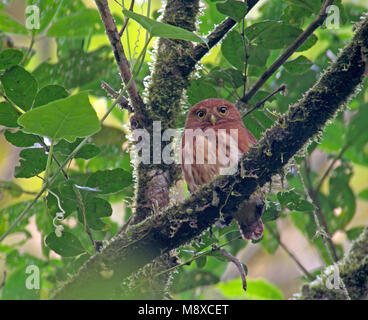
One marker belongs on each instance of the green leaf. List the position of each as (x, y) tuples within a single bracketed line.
[(293, 201), (206, 241), (276, 35), (201, 261), (71, 26), (68, 200), (10, 187), (354, 233), (233, 9), (363, 194), (21, 139), (199, 90), (48, 94), (20, 87), (232, 49), (256, 290), (333, 137), (96, 208), (219, 256), (232, 77), (272, 212), (47, 9), (67, 118), (10, 57), (13, 211), (258, 116), (32, 162), (304, 222), (15, 288), (303, 205), (9, 25), (298, 65), (67, 245), (8, 115), (80, 69), (192, 279), (343, 198), (159, 29), (88, 151), (109, 181), (358, 127), (310, 5), (258, 55), (263, 290), (309, 43), (294, 15), (269, 242)]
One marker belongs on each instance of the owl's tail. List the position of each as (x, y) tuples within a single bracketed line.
[(249, 217), (251, 232)]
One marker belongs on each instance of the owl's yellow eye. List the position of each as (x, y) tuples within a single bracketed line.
[(201, 114), (222, 110)]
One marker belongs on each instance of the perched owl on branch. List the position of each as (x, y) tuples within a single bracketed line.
[(214, 140)]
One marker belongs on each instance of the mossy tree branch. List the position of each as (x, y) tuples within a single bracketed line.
[(352, 270), (181, 223)]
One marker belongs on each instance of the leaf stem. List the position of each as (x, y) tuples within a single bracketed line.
[(29, 50), (49, 159)]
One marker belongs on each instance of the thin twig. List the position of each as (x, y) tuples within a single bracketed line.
[(238, 265), (122, 62), (2, 284), (330, 167), (46, 148), (82, 208), (246, 55), (126, 20), (318, 21), (29, 50), (260, 103), (217, 34), (289, 253), (318, 215), (126, 225), (123, 102)]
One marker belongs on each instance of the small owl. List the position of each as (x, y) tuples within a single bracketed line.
[(214, 140)]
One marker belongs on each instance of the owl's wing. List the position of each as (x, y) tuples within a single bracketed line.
[(245, 138)]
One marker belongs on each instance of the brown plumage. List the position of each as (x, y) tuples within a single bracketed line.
[(214, 150)]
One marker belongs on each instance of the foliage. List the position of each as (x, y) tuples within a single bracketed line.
[(46, 111)]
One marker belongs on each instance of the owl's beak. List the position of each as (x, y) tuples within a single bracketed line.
[(213, 119)]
